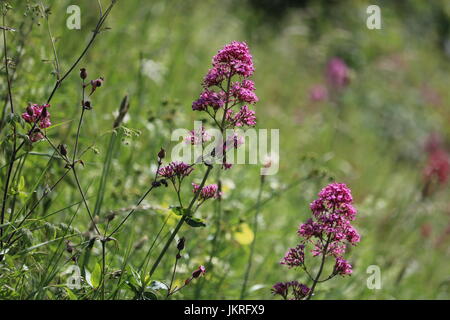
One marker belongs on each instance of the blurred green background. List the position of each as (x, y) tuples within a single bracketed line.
[(372, 137)]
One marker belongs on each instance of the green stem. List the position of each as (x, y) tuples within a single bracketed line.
[(180, 224), (322, 263), (252, 248), (103, 267)]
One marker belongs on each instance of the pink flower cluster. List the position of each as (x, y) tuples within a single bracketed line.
[(342, 267), (38, 113), (207, 192), (175, 169), (329, 231), (233, 60), (244, 116), (209, 98), (331, 227), (299, 290), (244, 92), (295, 257)]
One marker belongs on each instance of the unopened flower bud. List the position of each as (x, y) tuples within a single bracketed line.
[(156, 184), (87, 105), (161, 154), (83, 73), (62, 150), (181, 243), (96, 83), (110, 217), (200, 271)]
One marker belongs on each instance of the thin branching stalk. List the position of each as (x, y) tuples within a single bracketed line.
[(30, 212), (96, 31), (180, 223), (253, 245), (80, 189), (52, 40), (322, 263), (215, 240), (169, 290), (137, 204), (21, 45), (80, 123), (14, 150)]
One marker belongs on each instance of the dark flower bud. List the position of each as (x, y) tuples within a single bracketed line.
[(181, 242), (161, 154), (69, 246), (87, 105), (44, 113), (200, 271), (83, 73), (164, 182), (96, 83), (62, 150), (156, 184), (178, 256), (110, 217)]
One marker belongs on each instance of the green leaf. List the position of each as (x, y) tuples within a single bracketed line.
[(96, 275), (71, 295), (195, 222), (179, 211), (21, 186)]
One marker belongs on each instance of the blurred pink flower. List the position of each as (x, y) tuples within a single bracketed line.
[(337, 73), (318, 93)]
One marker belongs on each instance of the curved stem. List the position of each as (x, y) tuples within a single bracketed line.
[(322, 263), (138, 203), (85, 201)]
